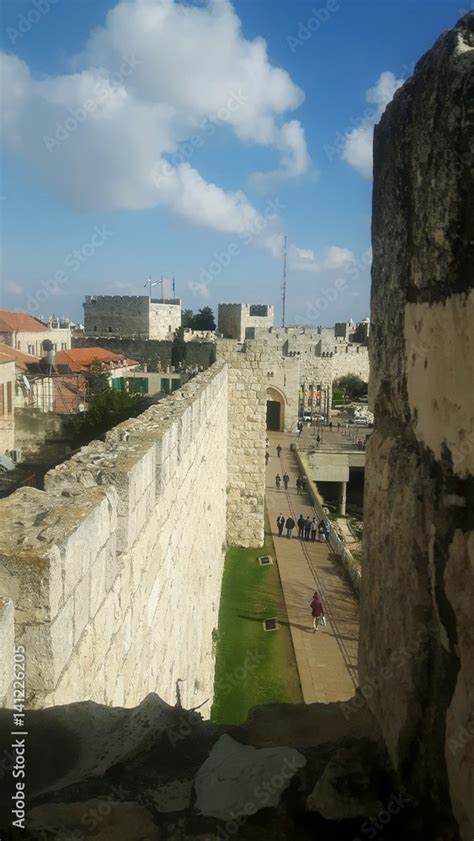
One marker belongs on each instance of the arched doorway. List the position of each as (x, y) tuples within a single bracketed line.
[(275, 410)]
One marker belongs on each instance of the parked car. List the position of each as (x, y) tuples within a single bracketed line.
[(308, 417)]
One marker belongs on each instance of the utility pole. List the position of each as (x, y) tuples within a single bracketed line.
[(283, 290)]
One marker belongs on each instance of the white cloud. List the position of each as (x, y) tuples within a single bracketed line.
[(201, 290), (14, 288), (357, 150), (147, 81), (295, 160), (329, 259)]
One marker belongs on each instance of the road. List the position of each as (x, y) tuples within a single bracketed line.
[(327, 659)]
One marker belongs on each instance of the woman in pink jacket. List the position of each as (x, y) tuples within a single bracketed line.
[(317, 610)]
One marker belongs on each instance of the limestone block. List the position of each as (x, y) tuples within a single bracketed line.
[(36, 639), (98, 577), (62, 637), (82, 605), (238, 780)]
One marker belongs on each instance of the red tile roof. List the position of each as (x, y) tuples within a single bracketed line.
[(10, 322), (21, 359), (81, 358)]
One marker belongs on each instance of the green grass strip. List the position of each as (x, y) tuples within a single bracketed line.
[(252, 667)]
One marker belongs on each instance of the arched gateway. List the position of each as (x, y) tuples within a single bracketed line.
[(275, 410)]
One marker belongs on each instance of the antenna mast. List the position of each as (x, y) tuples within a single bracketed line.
[(283, 289)]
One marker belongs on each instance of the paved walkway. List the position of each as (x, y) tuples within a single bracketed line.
[(327, 659)]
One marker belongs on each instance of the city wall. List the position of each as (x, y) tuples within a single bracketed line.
[(246, 441), (115, 570), (151, 351), (120, 315)]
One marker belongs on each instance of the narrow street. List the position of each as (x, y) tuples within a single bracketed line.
[(327, 659)]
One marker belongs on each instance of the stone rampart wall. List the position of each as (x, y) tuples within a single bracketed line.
[(152, 352), (119, 315), (246, 441), (418, 572), (115, 569)]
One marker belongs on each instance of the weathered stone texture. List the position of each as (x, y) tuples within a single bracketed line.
[(131, 316), (115, 571), (418, 575), (234, 320), (246, 441)]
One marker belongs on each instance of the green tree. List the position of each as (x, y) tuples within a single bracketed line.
[(107, 408), (178, 350), (187, 318), (351, 386), (204, 319), (98, 378)]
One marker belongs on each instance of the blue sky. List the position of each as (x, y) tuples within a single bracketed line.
[(187, 140)]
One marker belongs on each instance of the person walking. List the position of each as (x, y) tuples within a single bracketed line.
[(290, 524), (317, 611), (299, 486), (267, 457), (280, 524), (318, 440), (304, 482), (307, 528), (286, 480), (322, 532), (313, 529), (300, 526), (278, 451), (278, 481)]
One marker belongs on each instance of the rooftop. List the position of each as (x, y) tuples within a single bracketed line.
[(13, 321), (81, 358), (21, 360)]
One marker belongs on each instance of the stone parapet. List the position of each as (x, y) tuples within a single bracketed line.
[(115, 569)]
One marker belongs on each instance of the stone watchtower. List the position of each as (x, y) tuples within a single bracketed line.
[(131, 316), (239, 321)]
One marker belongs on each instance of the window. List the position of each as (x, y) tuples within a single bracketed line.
[(9, 399), (31, 350), (95, 328), (2, 399), (110, 329), (63, 345)]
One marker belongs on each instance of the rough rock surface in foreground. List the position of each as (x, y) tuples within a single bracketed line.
[(417, 643)]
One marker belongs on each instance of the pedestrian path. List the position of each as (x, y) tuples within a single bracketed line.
[(327, 659)]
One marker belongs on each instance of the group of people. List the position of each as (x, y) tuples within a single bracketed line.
[(301, 483), (308, 528)]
